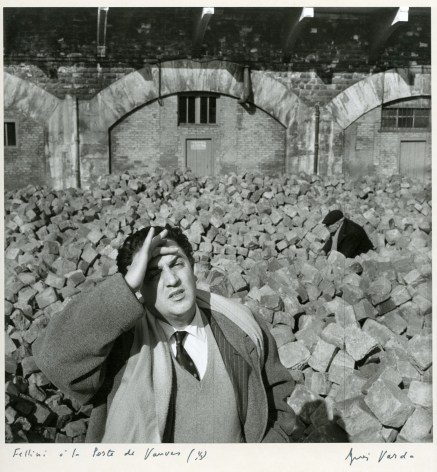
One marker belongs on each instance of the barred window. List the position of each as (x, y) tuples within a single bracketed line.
[(10, 133), (195, 109), (412, 115)]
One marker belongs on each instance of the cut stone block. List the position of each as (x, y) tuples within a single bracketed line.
[(378, 331), (389, 403), (269, 298), (386, 307), (420, 393), (413, 278), (400, 295), (319, 383), (420, 350), (341, 366), (395, 322), (26, 295), (304, 402), (54, 281), (237, 281), (294, 355), (308, 337), (351, 387), (371, 435), (324, 413), (46, 297), (424, 305), (364, 309), (354, 417), (42, 414), (417, 427), (334, 334), (358, 343), (283, 334), (379, 290), (352, 294), (29, 366), (75, 428), (75, 278), (322, 356)]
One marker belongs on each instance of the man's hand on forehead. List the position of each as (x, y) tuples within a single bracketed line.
[(152, 247)]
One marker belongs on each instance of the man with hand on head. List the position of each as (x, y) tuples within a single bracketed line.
[(346, 237), (182, 365)]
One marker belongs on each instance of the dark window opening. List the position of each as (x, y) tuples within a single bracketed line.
[(10, 133), (197, 109), (405, 118)]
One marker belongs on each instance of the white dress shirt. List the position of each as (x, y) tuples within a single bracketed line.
[(195, 342)]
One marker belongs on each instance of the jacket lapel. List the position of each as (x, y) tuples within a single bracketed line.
[(241, 361)]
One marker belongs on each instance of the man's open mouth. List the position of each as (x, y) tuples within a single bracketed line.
[(177, 294)]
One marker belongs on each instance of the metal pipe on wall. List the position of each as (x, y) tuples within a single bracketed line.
[(76, 142), (316, 140)]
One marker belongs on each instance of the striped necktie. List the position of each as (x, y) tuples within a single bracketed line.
[(182, 355)]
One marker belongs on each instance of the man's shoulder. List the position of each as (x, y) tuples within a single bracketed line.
[(354, 228)]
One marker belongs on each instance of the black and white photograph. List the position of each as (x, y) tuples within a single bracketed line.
[(217, 230)]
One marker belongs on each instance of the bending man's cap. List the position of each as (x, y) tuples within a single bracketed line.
[(332, 217)]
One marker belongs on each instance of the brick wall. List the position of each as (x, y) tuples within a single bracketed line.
[(368, 150), (56, 47), (242, 139), (25, 163)]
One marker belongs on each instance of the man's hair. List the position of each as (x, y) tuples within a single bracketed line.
[(136, 240)]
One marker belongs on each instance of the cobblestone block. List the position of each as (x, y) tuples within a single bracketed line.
[(417, 428), (322, 356), (420, 393), (294, 355), (46, 297), (358, 343), (341, 366), (420, 350), (389, 403), (304, 402)]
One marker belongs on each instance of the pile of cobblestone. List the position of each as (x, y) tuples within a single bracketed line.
[(355, 334)]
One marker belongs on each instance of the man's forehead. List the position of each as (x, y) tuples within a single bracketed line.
[(166, 258)]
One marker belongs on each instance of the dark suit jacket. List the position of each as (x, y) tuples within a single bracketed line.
[(352, 240), (85, 348)]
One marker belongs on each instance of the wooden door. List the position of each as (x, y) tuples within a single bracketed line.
[(199, 156), (412, 161)]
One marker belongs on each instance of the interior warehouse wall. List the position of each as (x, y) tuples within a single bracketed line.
[(243, 140)]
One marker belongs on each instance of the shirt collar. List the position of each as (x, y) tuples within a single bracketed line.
[(196, 328)]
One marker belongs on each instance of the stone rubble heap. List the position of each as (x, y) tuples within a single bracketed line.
[(355, 334)]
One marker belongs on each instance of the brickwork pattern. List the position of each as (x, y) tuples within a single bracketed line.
[(25, 163), (242, 139), (56, 49), (376, 151)]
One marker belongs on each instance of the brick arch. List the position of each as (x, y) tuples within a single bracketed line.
[(369, 93), (142, 86), (28, 98)]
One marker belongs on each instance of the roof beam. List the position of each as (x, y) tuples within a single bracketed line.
[(384, 26), (296, 20), (200, 25)]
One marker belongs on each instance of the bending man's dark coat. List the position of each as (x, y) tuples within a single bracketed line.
[(85, 348), (352, 240)]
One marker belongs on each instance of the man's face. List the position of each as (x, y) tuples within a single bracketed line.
[(169, 287), (334, 227)]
